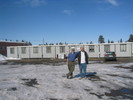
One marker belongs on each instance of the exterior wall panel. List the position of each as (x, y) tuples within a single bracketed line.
[(35, 52), (60, 51), (49, 55), (26, 54), (15, 54)]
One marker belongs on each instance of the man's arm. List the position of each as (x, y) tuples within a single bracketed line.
[(87, 57), (67, 61), (68, 58), (77, 54)]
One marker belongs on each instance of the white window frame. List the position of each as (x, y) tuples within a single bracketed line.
[(91, 48), (123, 47), (12, 50), (35, 50), (48, 49), (62, 49), (23, 50), (106, 48)]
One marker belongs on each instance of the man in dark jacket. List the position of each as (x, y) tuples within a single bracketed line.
[(82, 61)]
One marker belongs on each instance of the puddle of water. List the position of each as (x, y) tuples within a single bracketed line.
[(124, 92), (30, 82), (53, 99), (130, 67), (98, 95), (87, 90), (127, 91), (94, 78), (12, 89), (120, 76), (62, 99)]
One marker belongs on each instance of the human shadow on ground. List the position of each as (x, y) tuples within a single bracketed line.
[(88, 74)]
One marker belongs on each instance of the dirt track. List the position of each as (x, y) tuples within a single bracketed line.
[(63, 61)]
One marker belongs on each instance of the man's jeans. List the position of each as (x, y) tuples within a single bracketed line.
[(82, 68)]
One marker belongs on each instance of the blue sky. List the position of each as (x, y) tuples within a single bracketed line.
[(71, 21)]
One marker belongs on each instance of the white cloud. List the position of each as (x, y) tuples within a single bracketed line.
[(33, 3), (68, 12), (112, 2)]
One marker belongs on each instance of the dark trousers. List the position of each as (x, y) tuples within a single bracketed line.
[(71, 67)]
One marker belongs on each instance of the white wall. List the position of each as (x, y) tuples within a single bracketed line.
[(95, 53), (55, 50), (126, 53), (132, 50), (24, 55), (61, 54), (15, 55), (36, 55), (48, 55)]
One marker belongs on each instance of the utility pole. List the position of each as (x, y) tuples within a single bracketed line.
[(43, 41)]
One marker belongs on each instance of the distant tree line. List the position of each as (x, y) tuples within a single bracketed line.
[(60, 43), (130, 38), (23, 41), (100, 40)]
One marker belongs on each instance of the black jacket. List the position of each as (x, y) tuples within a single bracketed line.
[(79, 57)]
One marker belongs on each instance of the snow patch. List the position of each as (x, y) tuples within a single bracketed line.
[(4, 58), (46, 82)]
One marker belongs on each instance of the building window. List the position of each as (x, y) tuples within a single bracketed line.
[(106, 48), (5, 48), (23, 50), (35, 49), (92, 48), (62, 49), (11, 50), (48, 49), (123, 47)]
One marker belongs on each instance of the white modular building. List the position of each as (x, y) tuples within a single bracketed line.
[(61, 51)]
